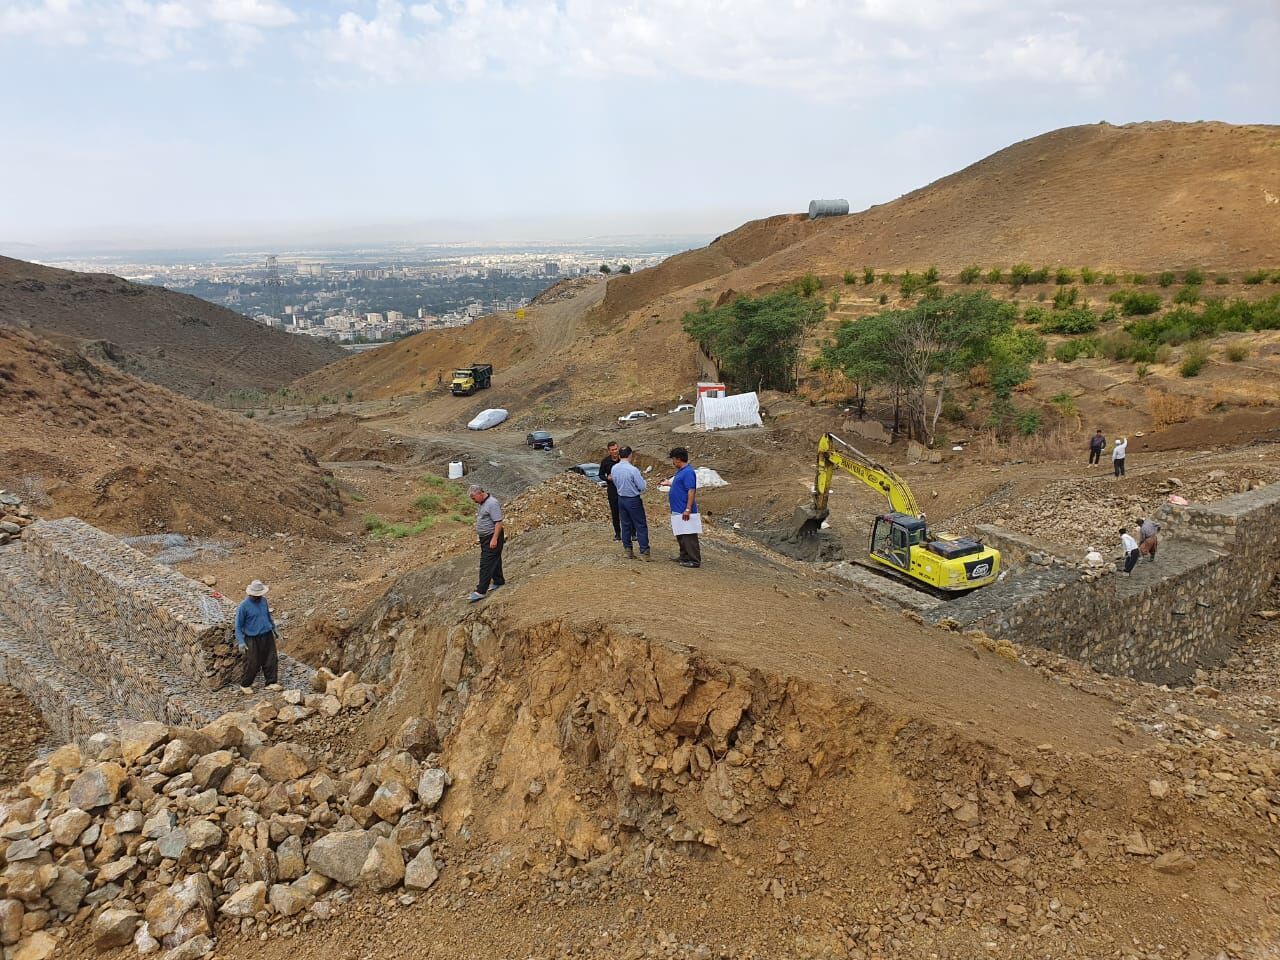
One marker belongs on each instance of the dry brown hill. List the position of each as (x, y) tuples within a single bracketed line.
[(178, 341), (79, 437), (1139, 197)]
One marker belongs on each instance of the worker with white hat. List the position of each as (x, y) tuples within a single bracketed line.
[(256, 636)]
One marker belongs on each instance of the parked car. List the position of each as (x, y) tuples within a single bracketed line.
[(540, 440), (682, 408), (589, 470), (635, 415)]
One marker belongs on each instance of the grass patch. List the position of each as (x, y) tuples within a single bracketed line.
[(1088, 276), (971, 273), (1166, 278), (1136, 303), (1237, 351), (1256, 277), (1194, 360), (443, 500), (1188, 295), (1194, 276)]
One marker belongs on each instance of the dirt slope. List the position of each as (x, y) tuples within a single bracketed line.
[(79, 437), (1140, 197), (177, 341)]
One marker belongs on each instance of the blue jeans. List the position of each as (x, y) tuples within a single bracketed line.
[(631, 513)]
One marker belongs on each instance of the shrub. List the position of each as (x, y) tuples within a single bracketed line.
[(1255, 278), (850, 278), (1164, 353), (1039, 276), (1064, 403), (249, 414), (868, 276), (1063, 277), (1028, 422), (1034, 314), (1133, 303), (886, 278), (1041, 297), (1166, 278), (1237, 351), (1193, 360), (1189, 295), (1067, 351), (1065, 298), (884, 298), (1088, 276), (1275, 277), (1110, 315), (931, 275), (808, 285), (1019, 274), (910, 285), (1222, 280), (994, 275), (1138, 279), (1193, 276), (970, 273), (1143, 371), (1122, 345), (1109, 279), (1070, 321)]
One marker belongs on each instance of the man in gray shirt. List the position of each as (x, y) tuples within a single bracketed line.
[(629, 482), (492, 538)]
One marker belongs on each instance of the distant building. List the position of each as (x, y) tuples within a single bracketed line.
[(393, 316), (475, 309), (551, 269), (373, 318)]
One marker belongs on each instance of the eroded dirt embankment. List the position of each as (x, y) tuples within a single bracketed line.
[(774, 811)]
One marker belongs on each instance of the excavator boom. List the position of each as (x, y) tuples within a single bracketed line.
[(833, 454)]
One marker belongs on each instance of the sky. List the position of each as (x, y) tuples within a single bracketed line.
[(129, 123)]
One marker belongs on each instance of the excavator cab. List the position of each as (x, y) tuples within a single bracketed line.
[(893, 536)]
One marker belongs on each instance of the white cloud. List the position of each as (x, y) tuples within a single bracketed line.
[(146, 30), (825, 48)]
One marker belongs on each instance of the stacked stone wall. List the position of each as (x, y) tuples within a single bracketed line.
[(174, 618), (1215, 563)]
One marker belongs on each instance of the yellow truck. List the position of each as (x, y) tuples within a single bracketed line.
[(467, 380)]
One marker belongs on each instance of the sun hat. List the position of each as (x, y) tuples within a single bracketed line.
[(256, 589)]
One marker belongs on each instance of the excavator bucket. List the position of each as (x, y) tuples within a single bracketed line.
[(808, 521)]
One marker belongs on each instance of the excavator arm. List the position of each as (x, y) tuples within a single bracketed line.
[(835, 454)]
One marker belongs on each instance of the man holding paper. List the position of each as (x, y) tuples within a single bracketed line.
[(686, 524)]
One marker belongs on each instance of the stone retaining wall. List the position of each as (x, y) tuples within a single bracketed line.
[(1215, 563), (175, 618)]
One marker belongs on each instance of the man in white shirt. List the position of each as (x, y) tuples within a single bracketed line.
[(1117, 455), (1130, 547)]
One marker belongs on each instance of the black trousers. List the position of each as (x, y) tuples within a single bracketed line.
[(1130, 560), (1095, 455), (1118, 465), (491, 562), (260, 654), (690, 551), (613, 513)]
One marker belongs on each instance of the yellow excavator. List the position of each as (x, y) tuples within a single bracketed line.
[(901, 543)]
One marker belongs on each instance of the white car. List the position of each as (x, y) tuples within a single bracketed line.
[(682, 408), (635, 415)]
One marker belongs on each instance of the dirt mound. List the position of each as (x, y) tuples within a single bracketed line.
[(178, 341), (82, 438), (727, 752)]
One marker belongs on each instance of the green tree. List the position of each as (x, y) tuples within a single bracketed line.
[(604, 268), (860, 351), (756, 340), (625, 268)]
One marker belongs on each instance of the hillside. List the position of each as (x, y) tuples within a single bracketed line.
[(1142, 197), (178, 341), (79, 437)]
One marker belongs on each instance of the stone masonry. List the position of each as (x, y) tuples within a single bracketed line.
[(92, 631), (1215, 563)]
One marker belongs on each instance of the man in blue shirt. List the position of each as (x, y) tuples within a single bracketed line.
[(629, 482), (686, 523), (256, 636)]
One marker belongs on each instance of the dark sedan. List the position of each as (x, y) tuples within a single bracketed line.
[(540, 440), (589, 470)]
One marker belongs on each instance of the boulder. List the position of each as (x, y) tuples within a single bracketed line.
[(173, 844), (289, 899), (390, 800), (176, 757), (114, 928), (246, 902), (203, 835), (67, 827), (144, 942), (412, 833), (431, 786), (181, 912), (159, 824), (140, 737), (284, 761), (290, 862), (418, 737), (10, 922), (384, 866), (67, 892), (193, 949), (421, 872), (38, 946), (97, 786), (211, 769), (1175, 863), (341, 855)]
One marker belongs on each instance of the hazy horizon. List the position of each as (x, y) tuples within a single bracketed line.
[(200, 124)]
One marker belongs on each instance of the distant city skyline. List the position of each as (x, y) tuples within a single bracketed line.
[(134, 124)]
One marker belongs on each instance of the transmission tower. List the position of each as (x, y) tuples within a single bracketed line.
[(273, 285)]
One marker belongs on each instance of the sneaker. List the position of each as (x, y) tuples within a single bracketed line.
[(644, 555), (495, 586), (474, 597), (247, 691), (689, 563), (628, 553), (275, 687)]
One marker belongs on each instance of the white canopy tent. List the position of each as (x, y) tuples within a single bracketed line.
[(724, 413)]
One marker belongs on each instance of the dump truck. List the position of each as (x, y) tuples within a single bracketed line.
[(901, 543), (467, 380)]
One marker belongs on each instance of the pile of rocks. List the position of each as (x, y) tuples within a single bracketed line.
[(564, 498), (156, 832), (15, 516)]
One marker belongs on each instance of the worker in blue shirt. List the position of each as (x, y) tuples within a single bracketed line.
[(686, 522), (629, 481), (256, 636)]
